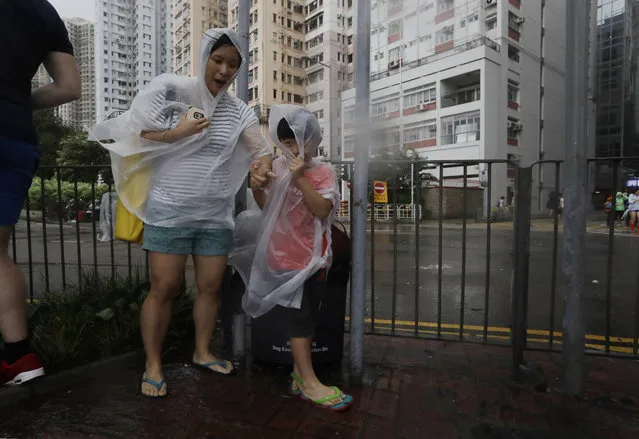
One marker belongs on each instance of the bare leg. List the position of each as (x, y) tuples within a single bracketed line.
[(209, 272), (311, 385), (13, 308), (166, 275)]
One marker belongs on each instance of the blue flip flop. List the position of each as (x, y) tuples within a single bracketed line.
[(207, 367), (157, 384)]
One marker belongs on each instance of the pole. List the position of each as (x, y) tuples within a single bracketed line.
[(360, 185), (576, 167), (239, 318), (521, 262)]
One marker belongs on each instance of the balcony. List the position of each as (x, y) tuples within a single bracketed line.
[(444, 16), (460, 90), (445, 46)]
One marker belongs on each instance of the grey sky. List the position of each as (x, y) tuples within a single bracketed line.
[(75, 8)]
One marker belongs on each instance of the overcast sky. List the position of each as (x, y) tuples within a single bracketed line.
[(75, 8)]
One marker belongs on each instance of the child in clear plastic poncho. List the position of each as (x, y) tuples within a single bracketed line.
[(283, 254), (180, 175)]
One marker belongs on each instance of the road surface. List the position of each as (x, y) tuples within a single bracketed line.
[(409, 290)]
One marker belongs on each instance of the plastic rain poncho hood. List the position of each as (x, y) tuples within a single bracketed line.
[(279, 248), (144, 170)]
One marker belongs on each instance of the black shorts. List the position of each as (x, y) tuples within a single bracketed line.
[(302, 322)]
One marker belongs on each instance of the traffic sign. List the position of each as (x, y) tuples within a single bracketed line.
[(380, 192)]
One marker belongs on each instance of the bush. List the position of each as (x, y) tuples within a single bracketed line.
[(99, 319), (53, 208)]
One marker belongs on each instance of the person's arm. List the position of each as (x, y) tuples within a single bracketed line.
[(319, 206), (186, 128), (66, 85), (259, 194), (260, 154)]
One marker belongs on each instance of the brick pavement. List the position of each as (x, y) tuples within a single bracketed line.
[(412, 389)]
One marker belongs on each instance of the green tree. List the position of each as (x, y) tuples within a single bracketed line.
[(87, 159), (51, 131)]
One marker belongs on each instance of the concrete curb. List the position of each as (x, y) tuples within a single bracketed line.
[(53, 383)]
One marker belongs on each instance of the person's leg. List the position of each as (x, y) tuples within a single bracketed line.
[(211, 249), (13, 308), (302, 327), (166, 275), (18, 164), (209, 272), (168, 251)]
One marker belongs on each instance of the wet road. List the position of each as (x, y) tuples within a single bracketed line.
[(408, 290)]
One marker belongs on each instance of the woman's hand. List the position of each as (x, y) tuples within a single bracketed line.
[(261, 174), (189, 127)]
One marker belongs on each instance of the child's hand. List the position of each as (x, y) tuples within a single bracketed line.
[(297, 168)]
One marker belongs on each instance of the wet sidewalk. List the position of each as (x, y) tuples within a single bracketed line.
[(413, 389)]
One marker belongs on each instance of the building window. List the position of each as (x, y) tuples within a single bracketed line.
[(513, 53), (274, 75), (513, 129), (445, 34), (426, 130), (422, 95), (460, 128), (385, 109), (513, 93), (444, 5)]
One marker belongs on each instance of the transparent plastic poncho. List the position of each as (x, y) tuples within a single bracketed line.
[(190, 182), (280, 247)]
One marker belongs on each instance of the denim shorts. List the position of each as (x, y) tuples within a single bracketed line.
[(188, 241), (18, 164)]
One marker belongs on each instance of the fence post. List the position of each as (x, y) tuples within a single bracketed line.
[(360, 187), (521, 256), (239, 318)]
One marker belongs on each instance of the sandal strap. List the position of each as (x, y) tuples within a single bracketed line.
[(157, 384), (338, 394)]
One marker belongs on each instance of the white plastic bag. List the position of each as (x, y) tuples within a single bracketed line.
[(108, 207), (279, 248), (191, 182)]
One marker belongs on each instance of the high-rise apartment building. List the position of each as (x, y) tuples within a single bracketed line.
[(133, 46), (80, 114), (468, 79), (297, 55), (191, 18)]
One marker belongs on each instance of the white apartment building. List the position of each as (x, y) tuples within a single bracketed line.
[(298, 55), (191, 18), (133, 46), (468, 79), (80, 114)]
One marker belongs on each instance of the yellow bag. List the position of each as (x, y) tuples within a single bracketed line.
[(129, 227)]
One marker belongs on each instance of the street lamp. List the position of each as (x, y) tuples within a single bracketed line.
[(313, 61)]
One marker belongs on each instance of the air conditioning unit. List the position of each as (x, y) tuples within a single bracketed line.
[(520, 20), (490, 3), (422, 106), (514, 126)]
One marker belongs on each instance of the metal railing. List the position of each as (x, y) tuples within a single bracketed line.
[(451, 265)]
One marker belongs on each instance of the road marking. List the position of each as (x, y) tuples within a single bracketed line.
[(500, 333)]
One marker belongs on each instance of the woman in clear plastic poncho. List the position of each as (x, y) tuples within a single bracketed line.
[(284, 252), (180, 175)]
